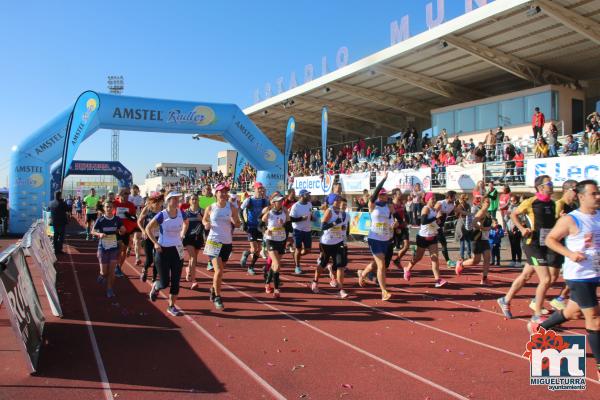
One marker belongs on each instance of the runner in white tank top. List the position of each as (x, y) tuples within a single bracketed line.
[(427, 239), (276, 236), (380, 237), (581, 269), (218, 219)]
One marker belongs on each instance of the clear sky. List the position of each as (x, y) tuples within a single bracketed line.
[(217, 51)]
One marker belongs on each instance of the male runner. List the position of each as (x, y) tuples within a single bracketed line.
[(91, 212), (251, 218)]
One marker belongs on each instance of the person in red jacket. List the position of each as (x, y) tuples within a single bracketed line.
[(519, 166), (537, 123), (126, 211)]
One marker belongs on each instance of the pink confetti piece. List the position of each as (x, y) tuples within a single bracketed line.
[(461, 353), (270, 364), (432, 341), (296, 367), (448, 351), (347, 386)]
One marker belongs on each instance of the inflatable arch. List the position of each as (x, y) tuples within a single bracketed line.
[(112, 168), (31, 161)]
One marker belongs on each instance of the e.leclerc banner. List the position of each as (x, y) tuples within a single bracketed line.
[(324, 119), (561, 169), (22, 302), (83, 113), (289, 139)]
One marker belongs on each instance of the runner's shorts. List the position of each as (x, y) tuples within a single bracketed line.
[(424, 243), (196, 241), (542, 256), (108, 256), (584, 292), (481, 246), (225, 252), (302, 238), (254, 235)]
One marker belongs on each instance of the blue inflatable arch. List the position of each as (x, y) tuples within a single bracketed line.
[(31, 161)]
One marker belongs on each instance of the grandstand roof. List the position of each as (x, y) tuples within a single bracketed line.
[(495, 49)]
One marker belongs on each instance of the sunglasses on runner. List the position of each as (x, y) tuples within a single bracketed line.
[(549, 184)]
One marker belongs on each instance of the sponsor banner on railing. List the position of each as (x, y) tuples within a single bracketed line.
[(360, 223), (314, 184), (22, 302), (463, 177), (563, 168), (355, 183), (406, 179)]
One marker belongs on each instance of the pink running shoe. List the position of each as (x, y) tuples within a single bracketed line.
[(406, 274), (440, 282), (314, 286), (268, 288), (333, 283), (459, 267)]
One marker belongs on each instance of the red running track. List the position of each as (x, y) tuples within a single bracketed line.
[(426, 344)]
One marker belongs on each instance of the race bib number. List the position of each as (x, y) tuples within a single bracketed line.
[(212, 248), (109, 242), (278, 234), (338, 232), (180, 250), (90, 210), (381, 228), (543, 234)]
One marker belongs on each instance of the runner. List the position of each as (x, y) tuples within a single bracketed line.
[(301, 217), (288, 202), (138, 202), (380, 237), (539, 211), (91, 202), (401, 235), (154, 206), (334, 223), (446, 208), (482, 222), (69, 203), (218, 218), (580, 230), (564, 206), (79, 208), (193, 240), (276, 217), (169, 250), (106, 228), (427, 239), (125, 210), (251, 221)]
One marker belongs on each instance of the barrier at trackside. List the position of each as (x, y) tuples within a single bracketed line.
[(22, 303)]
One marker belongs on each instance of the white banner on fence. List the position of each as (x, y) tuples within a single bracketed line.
[(407, 178), (463, 177), (314, 184), (563, 168), (355, 183)]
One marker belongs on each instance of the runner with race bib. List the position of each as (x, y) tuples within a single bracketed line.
[(276, 235)]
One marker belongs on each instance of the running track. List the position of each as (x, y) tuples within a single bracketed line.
[(426, 344)]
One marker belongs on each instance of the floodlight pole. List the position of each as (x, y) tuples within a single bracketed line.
[(116, 84)]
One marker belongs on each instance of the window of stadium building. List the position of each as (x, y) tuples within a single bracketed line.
[(222, 161), (509, 112)]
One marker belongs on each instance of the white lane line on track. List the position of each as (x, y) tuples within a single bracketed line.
[(108, 395), (350, 345), (225, 350)]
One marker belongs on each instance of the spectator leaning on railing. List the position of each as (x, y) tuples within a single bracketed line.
[(571, 147)]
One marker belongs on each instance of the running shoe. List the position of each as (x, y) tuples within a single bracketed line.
[(459, 268), (110, 293), (251, 271), (385, 296), (532, 327), (212, 295), (558, 304), (333, 283), (298, 270), (209, 266), (318, 260), (314, 286), (532, 306), (244, 258), (263, 253), (144, 275), (276, 293), (218, 303), (406, 274), (504, 307), (361, 280), (451, 263), (174, 311), (87, 237), (440, 282), (343, 294), (153, 293), (485, 281), (268, 288), (538, 319), (101, 279), (194, 286), (118, 272)]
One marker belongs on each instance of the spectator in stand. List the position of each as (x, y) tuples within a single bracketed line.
[(456, 145), (509, 155), (552, 140), (585, 138), (541, 148), (444, 137), (595, 143), (519, 160), (480, 153), (499, 144), (495, 239), (537, 123), (594, 119), (571, 147), (490, 145), (492, 194)]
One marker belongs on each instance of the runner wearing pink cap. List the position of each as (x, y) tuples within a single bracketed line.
[(427, 239), (276, 235)]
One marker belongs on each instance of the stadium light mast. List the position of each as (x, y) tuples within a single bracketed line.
[(116, 84)]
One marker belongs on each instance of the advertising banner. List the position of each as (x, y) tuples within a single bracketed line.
[(22, 302), (355, 183), (463, 177), (563, 168), (316, 222), (240, 162), (315, 184), (289, 139), (407, 178), (324, 119), (360, 223)]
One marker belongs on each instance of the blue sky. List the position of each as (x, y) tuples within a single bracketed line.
[(219, 51)]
